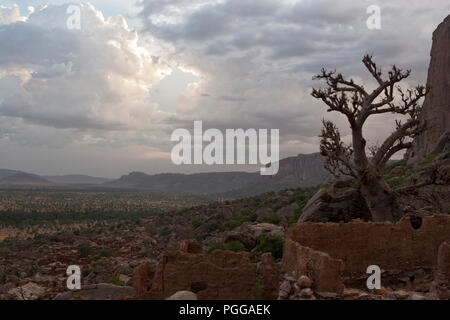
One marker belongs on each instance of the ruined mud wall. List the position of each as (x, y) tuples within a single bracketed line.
[(360, 244), (220, 275), (324, 271)]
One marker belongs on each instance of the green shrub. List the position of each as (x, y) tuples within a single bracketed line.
[(234, 246), (271, 218), (230, 225), (294, 218), (395, 182), (86, 272), (213, 226), (85, 251), (105, 253), (430, 158), (116, 282), (270, 243), (196, 223), (166, 232)]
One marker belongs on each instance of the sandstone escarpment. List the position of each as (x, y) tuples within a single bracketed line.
[(437, 103)]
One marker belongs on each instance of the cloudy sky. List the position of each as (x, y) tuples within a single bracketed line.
[(104, 100)]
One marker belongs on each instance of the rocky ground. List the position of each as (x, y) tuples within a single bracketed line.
[(39, 265), (412, 285)]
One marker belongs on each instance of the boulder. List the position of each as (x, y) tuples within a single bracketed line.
[(248, 233), (304, 282), (340, 202), (29, 291), (306, 293), (190, 246), (183, 295)]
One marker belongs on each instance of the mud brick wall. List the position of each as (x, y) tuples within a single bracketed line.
[(360, 244)]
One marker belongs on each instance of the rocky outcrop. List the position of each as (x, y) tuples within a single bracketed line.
[(437, 103), (430, 183), (248, 233), (340, 202), (304, 167)]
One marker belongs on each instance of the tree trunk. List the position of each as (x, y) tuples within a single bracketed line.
[(379, 197)]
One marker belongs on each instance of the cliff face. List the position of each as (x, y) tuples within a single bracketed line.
[(437, 102), (304, 167)]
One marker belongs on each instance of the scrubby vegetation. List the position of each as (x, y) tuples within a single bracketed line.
[(272, 244)]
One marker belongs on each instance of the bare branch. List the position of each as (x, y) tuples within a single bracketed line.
[(337, 82), (338, 157), (408, 105), (341, 95), (396, 141), (396, 148), (395, 75)]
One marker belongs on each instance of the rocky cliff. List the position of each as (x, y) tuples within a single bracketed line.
[(437, 102)]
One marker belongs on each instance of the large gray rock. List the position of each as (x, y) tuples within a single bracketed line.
[(340, 202), (436, 106), (183, 295), (102, 291), (248, 233)]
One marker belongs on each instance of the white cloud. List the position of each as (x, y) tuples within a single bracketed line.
[(10, 14), (94, 78)]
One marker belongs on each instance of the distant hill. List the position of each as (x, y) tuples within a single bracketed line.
[(23, 178), (214, 182), (4, 173), (300, 171), (76, 179)]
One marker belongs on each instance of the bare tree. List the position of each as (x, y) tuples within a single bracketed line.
[(357, 104)]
